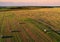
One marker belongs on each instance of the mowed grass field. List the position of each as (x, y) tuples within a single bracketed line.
[(39, 25)]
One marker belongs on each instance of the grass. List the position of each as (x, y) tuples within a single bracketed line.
[(31, 24), (41, 26)]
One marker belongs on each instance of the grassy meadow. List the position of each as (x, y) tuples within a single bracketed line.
[(30, 25)]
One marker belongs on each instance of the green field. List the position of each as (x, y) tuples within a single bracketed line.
[(35, 25)]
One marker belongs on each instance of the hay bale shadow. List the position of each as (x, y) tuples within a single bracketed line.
[(21, 23), (58, 32), (15, 31), (7, 36)]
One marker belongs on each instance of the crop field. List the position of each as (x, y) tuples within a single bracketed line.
[(35, 25)]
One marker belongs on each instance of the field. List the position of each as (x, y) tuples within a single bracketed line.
[(35, 25)]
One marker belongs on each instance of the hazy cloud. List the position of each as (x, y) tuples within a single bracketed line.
[(32, 2)]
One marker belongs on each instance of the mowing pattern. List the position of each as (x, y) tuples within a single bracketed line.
[(41, 25)]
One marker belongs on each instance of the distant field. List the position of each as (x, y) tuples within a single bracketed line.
[(38, 25)]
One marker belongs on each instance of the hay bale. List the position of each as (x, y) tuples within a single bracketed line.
[(1, 36), (45, 30)]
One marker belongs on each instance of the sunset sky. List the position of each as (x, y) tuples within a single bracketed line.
[(29, 2)]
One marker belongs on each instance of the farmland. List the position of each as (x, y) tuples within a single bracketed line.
[(35, 25)]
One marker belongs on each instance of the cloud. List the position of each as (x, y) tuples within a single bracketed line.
[(46, 1)]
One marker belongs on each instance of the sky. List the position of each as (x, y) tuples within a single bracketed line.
[(29, 2)]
